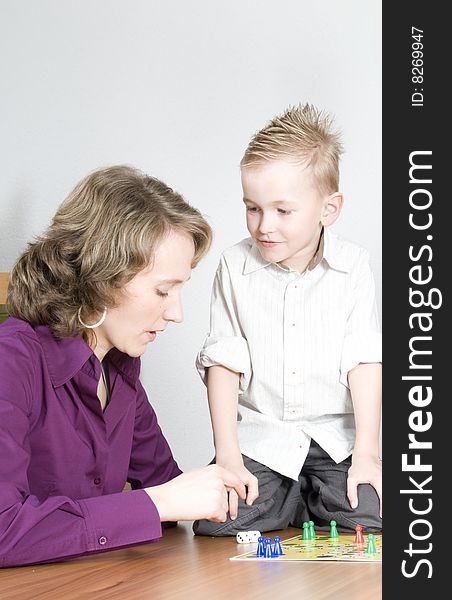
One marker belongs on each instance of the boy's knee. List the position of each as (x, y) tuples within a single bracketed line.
[(367, 512), (369, 504), (328, 504), (204, 527)]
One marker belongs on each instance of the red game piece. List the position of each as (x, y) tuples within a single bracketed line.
[(359, 539)]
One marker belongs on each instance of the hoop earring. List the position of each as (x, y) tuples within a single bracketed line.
[(99, 322)]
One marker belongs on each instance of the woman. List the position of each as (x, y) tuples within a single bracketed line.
[(75, 424)]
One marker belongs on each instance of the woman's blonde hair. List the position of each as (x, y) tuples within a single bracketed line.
[(102, 235), (304, 135)]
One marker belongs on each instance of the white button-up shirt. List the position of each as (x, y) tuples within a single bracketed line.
[(293, 338)]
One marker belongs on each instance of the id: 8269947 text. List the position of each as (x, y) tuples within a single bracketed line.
[(417, 66)]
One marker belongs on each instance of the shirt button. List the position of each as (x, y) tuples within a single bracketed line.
[(102, 540), (97, 480)]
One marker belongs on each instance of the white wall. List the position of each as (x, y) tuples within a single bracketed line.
[(177, 89)]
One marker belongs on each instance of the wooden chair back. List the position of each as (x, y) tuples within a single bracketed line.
[(4, 279)]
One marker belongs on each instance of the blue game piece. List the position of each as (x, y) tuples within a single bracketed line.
[(277, 548), (260, 546), (268, 548)]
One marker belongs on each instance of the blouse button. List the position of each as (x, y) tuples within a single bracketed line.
[(102, 540), (97, 480)]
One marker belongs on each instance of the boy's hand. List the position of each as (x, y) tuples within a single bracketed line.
[(364, 469), (248, 479)]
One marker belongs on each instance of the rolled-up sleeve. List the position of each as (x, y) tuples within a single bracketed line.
[(362, 340), (225, 344)]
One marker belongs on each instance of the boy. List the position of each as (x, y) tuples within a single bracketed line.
[(292, 361)]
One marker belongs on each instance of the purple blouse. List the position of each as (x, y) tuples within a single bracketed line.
[(64, 462)]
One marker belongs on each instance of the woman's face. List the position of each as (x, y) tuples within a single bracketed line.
[(151, 300)]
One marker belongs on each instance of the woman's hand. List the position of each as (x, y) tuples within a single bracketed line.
[(197, 494), (237, 467), (365, 469)]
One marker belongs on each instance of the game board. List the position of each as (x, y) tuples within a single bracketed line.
[(322, 547)]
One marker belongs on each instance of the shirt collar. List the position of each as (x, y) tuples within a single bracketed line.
[(129, 367), (254, 260), (336, 253), (330, 249), (66, 356)]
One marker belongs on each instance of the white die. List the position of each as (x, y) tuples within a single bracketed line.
[(247, 537)]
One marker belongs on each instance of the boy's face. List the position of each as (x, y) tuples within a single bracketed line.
[(285, 212)]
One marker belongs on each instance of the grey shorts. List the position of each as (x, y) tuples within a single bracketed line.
[(319, 495)]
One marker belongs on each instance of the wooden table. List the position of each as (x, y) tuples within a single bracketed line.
[(184, 566)]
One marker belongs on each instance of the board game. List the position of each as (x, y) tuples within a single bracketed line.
[(322, 547)]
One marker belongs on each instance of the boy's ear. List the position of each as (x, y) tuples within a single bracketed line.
[(332, 206)]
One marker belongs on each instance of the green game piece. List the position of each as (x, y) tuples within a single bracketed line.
[(333, 530), (306, 535), (371, 548), (311, 530)]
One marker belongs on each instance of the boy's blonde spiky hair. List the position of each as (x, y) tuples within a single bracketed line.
[(304, 135)]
